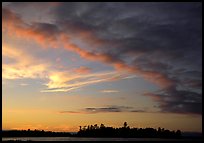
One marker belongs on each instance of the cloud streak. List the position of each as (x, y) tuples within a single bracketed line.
[(107, 109), (67, 81), (109, 91), (94, 110)]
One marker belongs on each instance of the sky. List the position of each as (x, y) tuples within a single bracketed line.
[(71, 64)]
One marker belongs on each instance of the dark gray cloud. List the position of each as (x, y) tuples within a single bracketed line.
[(167, 32), (138, 111), (155, 37), (104, 109), (108, 109), (178, 101), (161, 41), (112, 108), (48, 30), (71, 112)]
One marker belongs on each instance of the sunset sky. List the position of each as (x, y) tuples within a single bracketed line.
[(71, 64)]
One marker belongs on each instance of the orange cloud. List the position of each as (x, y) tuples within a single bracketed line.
[(158, 78), (83, 70), (44, 34)]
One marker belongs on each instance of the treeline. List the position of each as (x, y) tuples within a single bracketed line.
[(99, 131), (34, 133), (126, 131)]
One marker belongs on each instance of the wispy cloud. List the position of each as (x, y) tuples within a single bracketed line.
[(24, 65), (71, 112), (107, 109), (83, 70), (109, 91), (138, 111), (24, 84), (67, 81)]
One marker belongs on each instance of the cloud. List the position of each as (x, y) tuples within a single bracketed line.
[(132, 76), (151, 42), (109, 91), (108, 109), (49, 34), (161, 42), (23, 66), (44, 33), (71, 112), (67, 80), (24, 84), (178, 101), (93, 110), (83, 70), (138, 111), (59, 89), (103, 109), (5, 3)]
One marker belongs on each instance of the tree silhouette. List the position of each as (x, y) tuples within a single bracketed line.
[(125, 124), (102, 126), (102, 131), (34, 133), (126, 131)]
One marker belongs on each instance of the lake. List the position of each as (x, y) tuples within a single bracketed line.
[(85, 139)]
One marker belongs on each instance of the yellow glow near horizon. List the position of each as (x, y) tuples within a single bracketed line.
[(55, 121)]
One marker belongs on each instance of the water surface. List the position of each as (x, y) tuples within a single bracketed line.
[(84, 139)]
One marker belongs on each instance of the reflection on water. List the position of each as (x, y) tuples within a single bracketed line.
[(84, 139)]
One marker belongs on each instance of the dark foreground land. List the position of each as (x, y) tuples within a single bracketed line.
[(95, 131)]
